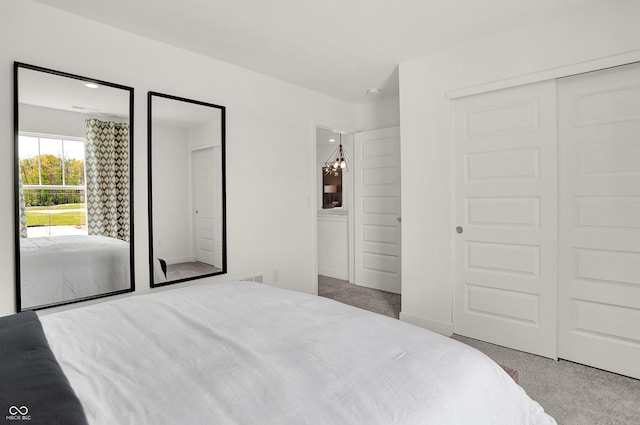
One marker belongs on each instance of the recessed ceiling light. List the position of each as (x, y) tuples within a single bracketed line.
[(332, 140), (90, 84), (373, 92)]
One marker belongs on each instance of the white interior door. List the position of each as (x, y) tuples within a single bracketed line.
[(505, 289), (599, 293), (203, 205), (376, 167)]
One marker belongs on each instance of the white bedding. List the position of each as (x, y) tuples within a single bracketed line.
[(247, 353), (61, 268)]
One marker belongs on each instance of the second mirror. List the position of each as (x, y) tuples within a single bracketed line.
[(187, 221)]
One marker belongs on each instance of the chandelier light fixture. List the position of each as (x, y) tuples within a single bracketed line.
[(338, 162)]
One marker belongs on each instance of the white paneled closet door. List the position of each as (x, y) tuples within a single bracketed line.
[(506, 211), (599, 282)]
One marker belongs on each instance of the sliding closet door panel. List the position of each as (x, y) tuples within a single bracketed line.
[(599, 288), (506, 211)]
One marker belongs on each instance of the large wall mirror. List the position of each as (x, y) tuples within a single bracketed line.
[(73, 172), (187, 222)]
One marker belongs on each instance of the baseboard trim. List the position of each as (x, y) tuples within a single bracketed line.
[(444, 328)]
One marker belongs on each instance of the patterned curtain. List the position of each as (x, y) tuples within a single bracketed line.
[(22, 208), (107, 169)]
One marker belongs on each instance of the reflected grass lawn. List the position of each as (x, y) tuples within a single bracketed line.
[(57, 215), (61, 219)]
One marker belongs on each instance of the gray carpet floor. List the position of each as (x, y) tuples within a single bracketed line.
[(358, 296), (573, 394), (190, 269)]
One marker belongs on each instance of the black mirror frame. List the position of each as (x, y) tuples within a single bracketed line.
[(223, 192), (16, 66)]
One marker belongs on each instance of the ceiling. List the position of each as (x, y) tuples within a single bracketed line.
[(324, 137), (338, 47)]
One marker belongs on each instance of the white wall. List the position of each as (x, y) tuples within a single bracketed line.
[(171, 203), (36, 119), (207, 134), (561, 46), (333, 244), (378, 114), (269, 123)]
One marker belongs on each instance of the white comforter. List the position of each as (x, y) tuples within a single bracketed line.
[(247, 353), (62, 268)]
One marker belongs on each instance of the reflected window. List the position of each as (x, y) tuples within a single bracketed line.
[(52, 174)]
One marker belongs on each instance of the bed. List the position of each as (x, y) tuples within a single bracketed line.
[(248, 353), (62, 268)]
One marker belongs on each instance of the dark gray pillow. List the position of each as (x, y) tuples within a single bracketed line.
[(33, 387)]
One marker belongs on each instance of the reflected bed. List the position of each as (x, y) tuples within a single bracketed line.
[(63, 268), (248, 353)]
